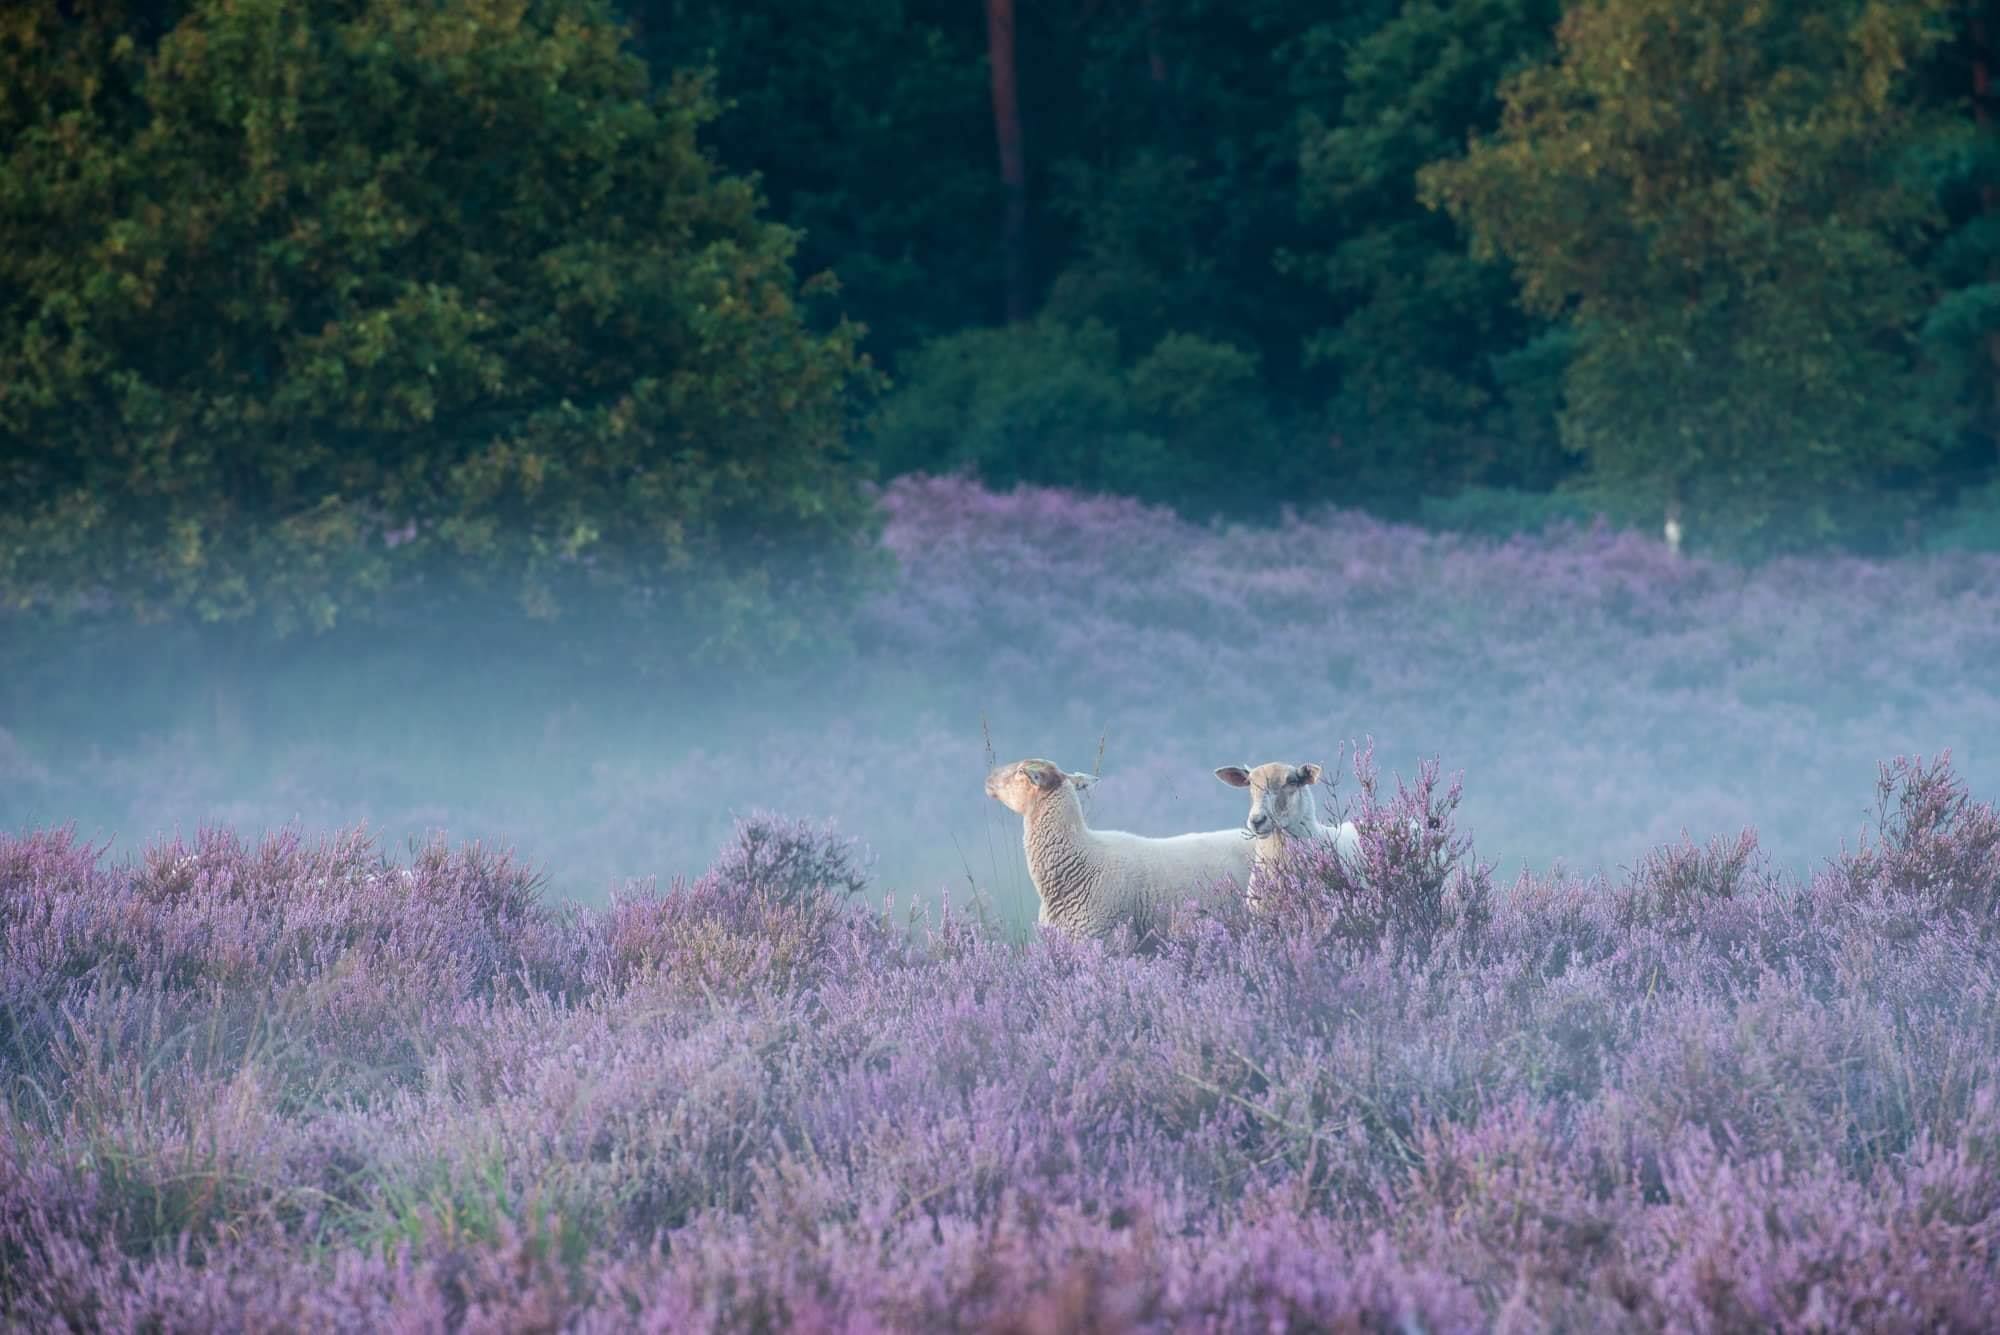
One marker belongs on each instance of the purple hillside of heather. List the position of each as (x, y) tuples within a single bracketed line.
[(1598, 696), (296, 1085)]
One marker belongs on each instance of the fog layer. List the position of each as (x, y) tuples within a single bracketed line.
[(1598, 693)]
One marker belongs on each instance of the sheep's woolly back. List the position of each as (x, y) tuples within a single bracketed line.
[(1090, 880)]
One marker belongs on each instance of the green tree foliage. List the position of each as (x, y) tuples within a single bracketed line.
[(1169, 145), (297, 306), (1436, 383), (1971, 524), (1167, 130), (1056, 403), (1709, 191), (1162, 151), (868, 125), (1961, 161), (1243, 175)]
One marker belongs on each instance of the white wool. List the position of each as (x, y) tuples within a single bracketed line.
[(1089, 880)]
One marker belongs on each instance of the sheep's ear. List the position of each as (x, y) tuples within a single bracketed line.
[(1082, 781), (1308, 774), (1045, 777), (1234, 775)]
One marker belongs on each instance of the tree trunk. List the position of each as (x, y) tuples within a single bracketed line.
[(1156, 71), (1989, 196), (1013, 162)]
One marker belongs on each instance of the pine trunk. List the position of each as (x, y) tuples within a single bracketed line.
[(1013, 162), (1156, 73), (1989, 194)]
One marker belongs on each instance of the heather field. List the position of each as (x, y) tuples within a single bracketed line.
[(296, 1086), (829, 1079), (1598, 695)]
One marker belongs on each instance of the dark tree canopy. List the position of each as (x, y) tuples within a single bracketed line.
[(1710, 195), (292, 308), (568, 297)]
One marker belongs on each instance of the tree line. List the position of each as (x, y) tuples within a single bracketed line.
[(569, 301)]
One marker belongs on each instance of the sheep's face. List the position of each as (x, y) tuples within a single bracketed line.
[(1281, 799), (1026, 784)]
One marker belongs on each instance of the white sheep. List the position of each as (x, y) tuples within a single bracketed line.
[(1090, 880), (1282, 810)]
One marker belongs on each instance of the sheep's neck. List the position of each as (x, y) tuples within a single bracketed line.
[(1057, 844)]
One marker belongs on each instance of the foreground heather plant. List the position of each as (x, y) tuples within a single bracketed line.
[(1408, 886), (298, 1086), (1938, 851), (774, 911)]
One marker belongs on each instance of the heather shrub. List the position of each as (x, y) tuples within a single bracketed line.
[(1937, 850), (297, 1085), (1748, 1242), (1673, 885), (1533, 1211), (1549, 924), (774, 911), (322, 960), (1410, 886)]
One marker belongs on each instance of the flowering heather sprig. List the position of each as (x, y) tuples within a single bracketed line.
[(775, 911), (1938, 849), (1411, 885), (1674, 884), (297, 1085)]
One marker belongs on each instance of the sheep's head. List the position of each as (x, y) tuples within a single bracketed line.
[(1281, 800), (1026, 784)]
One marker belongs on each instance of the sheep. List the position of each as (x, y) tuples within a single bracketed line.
[(1090, 880), (1282, 809)]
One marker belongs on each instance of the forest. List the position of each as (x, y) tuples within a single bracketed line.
[(553, 302)]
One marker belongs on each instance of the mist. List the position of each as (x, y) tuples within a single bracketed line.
[(1599, 695)]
